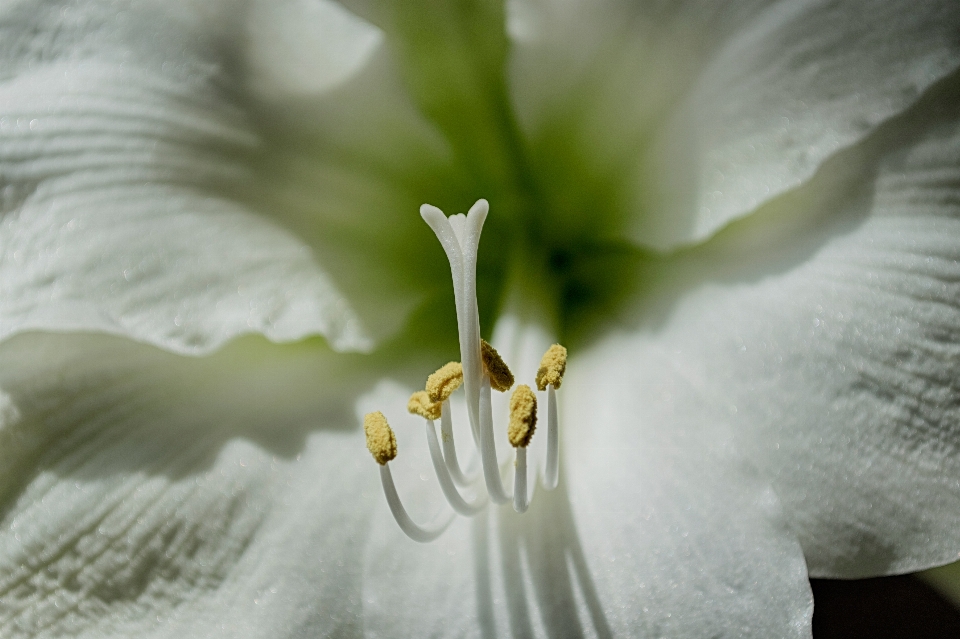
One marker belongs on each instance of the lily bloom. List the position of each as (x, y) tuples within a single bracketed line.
[(742, 220)]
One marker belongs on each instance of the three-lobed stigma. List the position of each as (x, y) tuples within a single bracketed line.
[(480, 371)]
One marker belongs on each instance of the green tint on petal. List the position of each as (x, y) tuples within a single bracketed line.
[(145, 494), (660, 123), (452, 56)]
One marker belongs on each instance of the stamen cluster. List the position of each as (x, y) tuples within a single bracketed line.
[(481, 369)]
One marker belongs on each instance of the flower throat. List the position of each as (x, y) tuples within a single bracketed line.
[(480, 370)]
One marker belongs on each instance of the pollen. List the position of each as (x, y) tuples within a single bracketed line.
[(552, 367), (523, 416), (501, 378), (381, 441), (448, 378), (421, 405)]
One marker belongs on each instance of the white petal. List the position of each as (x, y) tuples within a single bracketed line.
[(682, 117), (799, 82), (151, 495), (127, 190), (306, 47), (836, 346), (656, 530)]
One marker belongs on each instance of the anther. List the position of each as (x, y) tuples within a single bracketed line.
[(421, 405), (552, 367), (523, 416), (501, 378), (381, 441), (441, 384)]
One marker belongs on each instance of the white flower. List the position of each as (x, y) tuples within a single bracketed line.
[(744, 221)]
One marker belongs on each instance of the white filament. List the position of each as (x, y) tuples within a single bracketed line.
[(450, 448), (456, 501), (520, 501), (488, 448), (422, 534), (551, 473)]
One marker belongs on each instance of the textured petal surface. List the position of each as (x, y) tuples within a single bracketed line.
[(681, 117), (126, 181), (799, 82), (836, 347), (655, 530), (151, 495)]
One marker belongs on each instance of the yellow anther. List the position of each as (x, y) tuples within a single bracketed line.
[(421, 405), (552, 367), (523, 416), (501, 378), (448, 378), (381, 441)]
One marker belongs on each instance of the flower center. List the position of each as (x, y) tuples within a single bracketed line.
[(481, 369)]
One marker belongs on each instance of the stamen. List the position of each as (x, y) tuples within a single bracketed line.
[(523, 423), (552, 367), (501, 378), (441, 384), (458, 503), (381, 441), (421, 405), (549, 377), (382, 444)]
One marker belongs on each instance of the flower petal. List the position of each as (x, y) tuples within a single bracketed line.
[(306, 47), (835, 346), (146, 494), (125, 167), (656, 529), (798, 83), (682, 117)]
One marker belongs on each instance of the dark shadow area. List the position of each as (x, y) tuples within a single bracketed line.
[(901, 607)]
